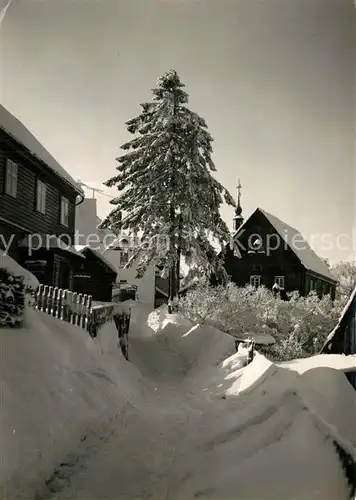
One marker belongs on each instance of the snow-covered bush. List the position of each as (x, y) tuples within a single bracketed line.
[(299, 325), (16, 289)]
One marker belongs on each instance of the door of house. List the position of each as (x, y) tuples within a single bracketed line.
[(61, 272), (56, 272)]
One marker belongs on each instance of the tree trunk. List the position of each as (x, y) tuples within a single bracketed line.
[(172, 244), (179, 250)]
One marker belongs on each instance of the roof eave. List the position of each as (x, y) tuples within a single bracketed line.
[(76, 188), (326, 278)]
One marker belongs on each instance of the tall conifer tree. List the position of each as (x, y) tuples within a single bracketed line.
[(167, 191)]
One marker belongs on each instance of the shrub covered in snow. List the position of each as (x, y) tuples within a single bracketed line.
[(299, 325), (12, 299), (16, 287)]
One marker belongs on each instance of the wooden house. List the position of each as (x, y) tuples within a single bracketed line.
[(38, 200), (94, 275), (269, 252), (342, 340)]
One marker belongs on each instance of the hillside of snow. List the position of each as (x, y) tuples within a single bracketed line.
[(184, 419)]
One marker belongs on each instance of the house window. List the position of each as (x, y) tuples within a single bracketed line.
[(124, 258), (41, 197), (11, 178), (279, 280), (311, 285), (255, 244), (255, 280), (64, 211)]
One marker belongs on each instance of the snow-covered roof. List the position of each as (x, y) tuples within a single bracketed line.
[(16, 129), (49, 241), (297, 243), (100, 256), (13, 267)]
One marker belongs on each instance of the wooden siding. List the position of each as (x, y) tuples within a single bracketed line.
[(21, 210), (99, 281), (279, 262), (319, 285)]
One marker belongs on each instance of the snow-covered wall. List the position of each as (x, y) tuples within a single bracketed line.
[(86, 226), (145, 285)]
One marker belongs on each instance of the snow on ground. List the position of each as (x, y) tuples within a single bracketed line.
[(185, 419), (58, 392)]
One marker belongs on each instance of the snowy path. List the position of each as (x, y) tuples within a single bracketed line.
[(181, 446), (139, 460), (181, 421)]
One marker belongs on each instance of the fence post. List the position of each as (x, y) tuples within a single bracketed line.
[(92, 329), (74, 308), (60, 303), (45, 298), (85, 311), (79, 309), (68, 305), (50, 300), (39, 297), (55, 302)]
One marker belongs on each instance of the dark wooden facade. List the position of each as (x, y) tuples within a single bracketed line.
[(261, 263), (19, 217), (94, 276)]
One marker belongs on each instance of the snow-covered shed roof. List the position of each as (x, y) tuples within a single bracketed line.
[(297, 243), (49, 241), (340, 326), (17, 130), (82, 248)]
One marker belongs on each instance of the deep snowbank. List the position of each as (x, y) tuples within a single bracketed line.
[(57, 389), (188, 421), (266, 431)]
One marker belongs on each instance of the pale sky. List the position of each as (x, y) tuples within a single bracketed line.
[(274, 79)]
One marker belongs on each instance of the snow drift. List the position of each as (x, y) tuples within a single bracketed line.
[(13, 267), (58, 389)]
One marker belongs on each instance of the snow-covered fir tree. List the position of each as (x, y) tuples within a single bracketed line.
[(167, 191)]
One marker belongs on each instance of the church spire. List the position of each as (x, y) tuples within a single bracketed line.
[(238, 219)]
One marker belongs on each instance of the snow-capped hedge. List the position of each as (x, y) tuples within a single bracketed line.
[(16, 287), (299, 326)]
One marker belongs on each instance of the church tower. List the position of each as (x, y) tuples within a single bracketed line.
[(238, 219)]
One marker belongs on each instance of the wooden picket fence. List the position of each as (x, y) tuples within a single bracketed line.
[(74, 308), (78, 309)]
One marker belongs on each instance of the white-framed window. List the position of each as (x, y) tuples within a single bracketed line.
[(11, 178), (255, 280), (64, 211), (41, 197), (279, 280)]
